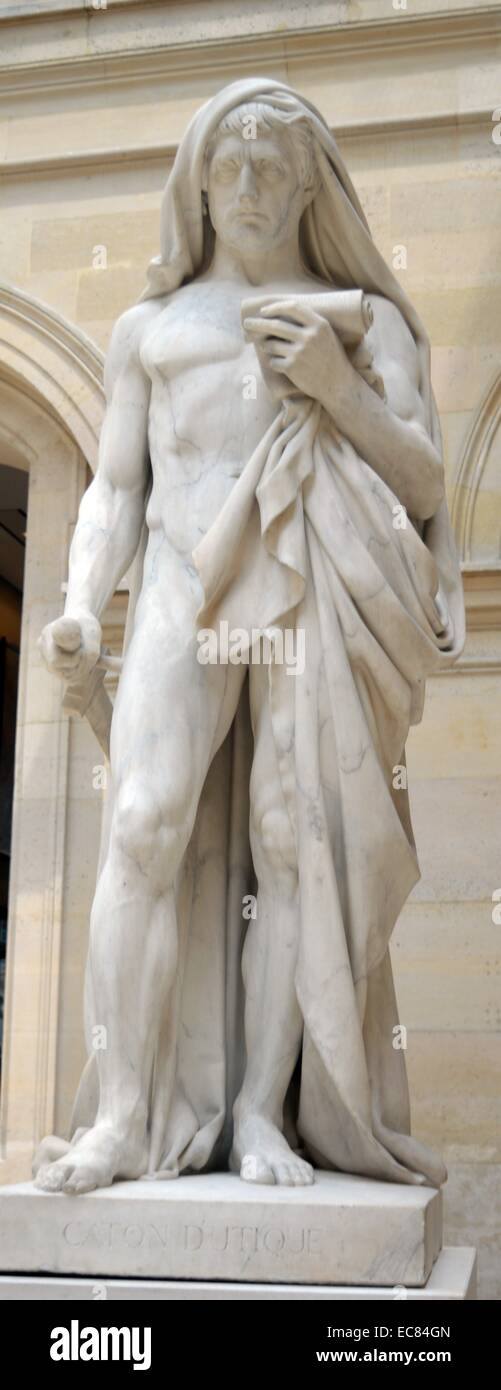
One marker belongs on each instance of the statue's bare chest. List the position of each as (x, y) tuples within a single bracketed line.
[(197, 331)]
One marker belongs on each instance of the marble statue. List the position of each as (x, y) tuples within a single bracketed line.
[(271, 458)]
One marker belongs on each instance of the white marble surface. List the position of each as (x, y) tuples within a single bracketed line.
[(342, 1230), (286, 475)]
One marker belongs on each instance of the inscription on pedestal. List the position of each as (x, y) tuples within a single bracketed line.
[(190, 1237)]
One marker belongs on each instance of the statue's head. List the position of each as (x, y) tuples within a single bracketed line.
[(260, 174)]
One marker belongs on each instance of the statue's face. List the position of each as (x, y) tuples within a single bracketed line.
[(255, 197)]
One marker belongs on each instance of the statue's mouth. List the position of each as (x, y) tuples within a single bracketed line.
[(250, 217)]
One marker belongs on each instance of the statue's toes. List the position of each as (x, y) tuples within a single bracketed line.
[(84, 1179), (293, 1173), (253, 1168), (49, 1150), (52, 1178)]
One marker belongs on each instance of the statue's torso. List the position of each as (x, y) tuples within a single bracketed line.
[(209, 405)]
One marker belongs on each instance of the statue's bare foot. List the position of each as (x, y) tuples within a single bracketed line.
[(95, 1160), (261, 1154)]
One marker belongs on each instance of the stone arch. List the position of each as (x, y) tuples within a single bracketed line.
[(53, 363), (476, 505), (51, 408)]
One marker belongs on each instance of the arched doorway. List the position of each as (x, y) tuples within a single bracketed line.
[(51, 406)]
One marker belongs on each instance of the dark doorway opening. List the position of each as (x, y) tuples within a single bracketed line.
[(13, 519)]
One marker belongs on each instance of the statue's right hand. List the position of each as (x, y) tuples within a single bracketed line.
[(71, 645)]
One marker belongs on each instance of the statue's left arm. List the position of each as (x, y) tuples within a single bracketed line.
[(391, 434)]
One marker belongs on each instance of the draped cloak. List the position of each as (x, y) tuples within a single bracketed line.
[(306, 538)]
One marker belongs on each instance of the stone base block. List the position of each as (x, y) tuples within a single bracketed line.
[(343, 1230)]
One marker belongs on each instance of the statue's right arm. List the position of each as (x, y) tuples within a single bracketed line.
[(112, 509)]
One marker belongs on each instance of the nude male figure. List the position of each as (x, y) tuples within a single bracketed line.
[(174, 386)]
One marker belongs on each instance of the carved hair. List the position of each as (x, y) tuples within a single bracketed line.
[(268, 118)]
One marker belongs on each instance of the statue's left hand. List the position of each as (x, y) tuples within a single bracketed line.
[(294, 340)]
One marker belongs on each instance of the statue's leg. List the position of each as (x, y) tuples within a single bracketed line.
[(273, 1021), (171, 714)]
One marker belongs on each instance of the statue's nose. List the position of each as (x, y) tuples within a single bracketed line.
[(248, 189)]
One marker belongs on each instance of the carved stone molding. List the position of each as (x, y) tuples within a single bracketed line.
[(130, 44), (476, 503), (163, 153), (482, 588)]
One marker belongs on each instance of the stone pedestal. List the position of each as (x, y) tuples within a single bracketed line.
[(344, 1231), (452, 1279)]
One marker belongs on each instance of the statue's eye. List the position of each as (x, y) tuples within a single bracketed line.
[(227, 169), (271, 168)]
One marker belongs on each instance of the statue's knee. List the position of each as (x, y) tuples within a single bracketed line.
[(274, 849), (136, 822), (147, 833)]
